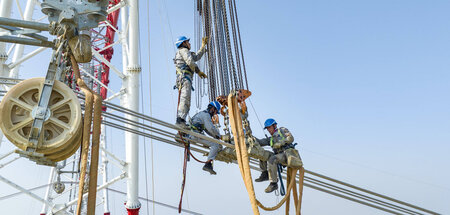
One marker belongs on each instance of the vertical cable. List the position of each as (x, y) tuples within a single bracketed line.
[(240, 43), (143, 110)]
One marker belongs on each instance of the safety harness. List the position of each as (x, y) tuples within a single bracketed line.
[(186, 73), (281, 135), (284, 147), (197, 127)]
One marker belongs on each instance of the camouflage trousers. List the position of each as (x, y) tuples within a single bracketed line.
[(185, 87)]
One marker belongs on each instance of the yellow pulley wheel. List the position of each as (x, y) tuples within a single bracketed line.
[(62, 127)]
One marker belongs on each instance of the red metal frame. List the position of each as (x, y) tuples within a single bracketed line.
[(112, 18)]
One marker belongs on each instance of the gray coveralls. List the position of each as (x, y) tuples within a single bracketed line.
[(202, 122), (185, 65), (281, 135)]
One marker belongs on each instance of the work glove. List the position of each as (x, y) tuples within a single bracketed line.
[(278, 145), (226, 138), (204, 41), (201, 74)]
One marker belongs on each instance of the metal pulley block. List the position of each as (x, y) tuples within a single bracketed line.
[(58, 187), (61, 120), (84, 14)]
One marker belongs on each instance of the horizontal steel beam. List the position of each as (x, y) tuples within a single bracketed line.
[(27, 32), (26, 41), (24, 24)]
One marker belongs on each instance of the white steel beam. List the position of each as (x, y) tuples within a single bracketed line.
[(119, 5), (6, 155), (120, 93), (124, 37), (5, 11), (26, 57), (48, 191), (103, 60), (121, 162), (114, 180), (96, 80), (105, 169), (11, 48), (18, 52), (8, 162), (132, 102), (19, 9), (25, 191)]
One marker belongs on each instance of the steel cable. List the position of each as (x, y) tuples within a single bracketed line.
[(360, 195)]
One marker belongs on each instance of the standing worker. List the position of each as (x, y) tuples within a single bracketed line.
[(202, 121), (185, 65), (284, 153)]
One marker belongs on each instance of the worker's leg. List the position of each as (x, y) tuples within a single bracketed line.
[(214, 148), (272, 169), (274, 160), (185, 98), (264, 174), (263, 165)]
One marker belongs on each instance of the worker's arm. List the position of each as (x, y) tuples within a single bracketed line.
[(188, 59), (210, 129), (263, 141), (197, 56), (288, 138)]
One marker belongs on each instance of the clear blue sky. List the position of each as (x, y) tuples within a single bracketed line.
[(362, 85)]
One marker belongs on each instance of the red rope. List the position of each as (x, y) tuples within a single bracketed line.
[(196, 158), (181, 137), (187, 152), (183, 183)]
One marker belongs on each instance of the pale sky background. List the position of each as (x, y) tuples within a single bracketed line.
[(362, 85)]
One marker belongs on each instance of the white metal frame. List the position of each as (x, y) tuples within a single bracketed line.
[(128, 38), (5, 11)]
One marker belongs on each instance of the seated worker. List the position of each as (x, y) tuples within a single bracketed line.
[(185, 66), (202, 121), (280, 141)]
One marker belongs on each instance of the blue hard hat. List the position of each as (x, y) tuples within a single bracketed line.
[(180, 40), (269, 122), (215, 104)]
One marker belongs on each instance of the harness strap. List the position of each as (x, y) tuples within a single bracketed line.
[(187, 74), (282, 137), (181, 71), (282, 190)]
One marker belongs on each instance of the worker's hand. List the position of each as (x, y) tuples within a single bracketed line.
[(226, 137), (204, 41), (278, 145), (201, 74)]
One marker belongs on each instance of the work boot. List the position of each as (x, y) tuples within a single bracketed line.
[(209, 168), (272, 186), (263, 177), (181, 123)]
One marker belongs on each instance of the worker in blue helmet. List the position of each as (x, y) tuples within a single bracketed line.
[(186, 67), (281, 142), (202, 122)]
